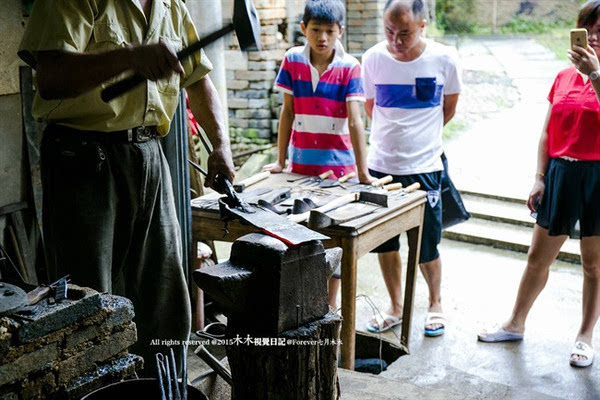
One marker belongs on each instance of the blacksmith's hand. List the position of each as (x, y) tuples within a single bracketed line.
[(219, 161), (155, 61)]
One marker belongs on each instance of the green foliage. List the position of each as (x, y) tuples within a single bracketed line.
[(532, 25), (453, 127), (452, 16), (558, 40)]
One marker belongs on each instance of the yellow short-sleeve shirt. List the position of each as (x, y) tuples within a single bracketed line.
[(94, 26)]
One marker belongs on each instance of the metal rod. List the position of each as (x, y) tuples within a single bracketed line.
[(160, 377), (174, 371), (184, 372), (214, 364), (199, 168)]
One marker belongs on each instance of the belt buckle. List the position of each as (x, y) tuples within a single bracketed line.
[(142, 134)]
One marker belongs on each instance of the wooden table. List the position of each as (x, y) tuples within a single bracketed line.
[(356, 238)]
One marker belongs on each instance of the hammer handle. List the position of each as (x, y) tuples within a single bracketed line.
[(326, 174), (119, 88), (340, 201), (413, 187), (383, 181), (393, 186), (253, 179), (347, 176)]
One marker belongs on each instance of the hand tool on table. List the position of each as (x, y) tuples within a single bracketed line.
[(304, 180), (12, 298), (268, 206), (328, 183), (319, 220), (241, 186), (374, 185), (245, 24), (303, 205), (370, 197)]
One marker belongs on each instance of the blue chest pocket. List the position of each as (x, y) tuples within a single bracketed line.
[(426, 89)]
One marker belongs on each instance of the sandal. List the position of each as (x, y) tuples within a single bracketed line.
[(500, 335), (435, 318), (584, 350), (385, 321)]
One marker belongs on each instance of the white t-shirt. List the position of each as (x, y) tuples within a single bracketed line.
[(406, 135)]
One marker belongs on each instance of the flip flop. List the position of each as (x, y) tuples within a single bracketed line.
[(500, 335), (385, 320), (435, 318), (584, 350)]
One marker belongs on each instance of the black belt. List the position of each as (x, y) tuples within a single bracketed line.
[(139, 134)]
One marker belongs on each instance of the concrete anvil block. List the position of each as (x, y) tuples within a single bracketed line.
[(267, 287)]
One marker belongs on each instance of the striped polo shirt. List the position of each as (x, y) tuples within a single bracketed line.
[(408, 115), (320, 139)]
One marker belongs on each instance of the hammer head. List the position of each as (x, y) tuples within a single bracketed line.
[(379, 198), (246, 25)]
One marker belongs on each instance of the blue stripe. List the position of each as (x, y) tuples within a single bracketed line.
[(297, 57), (284, 78), (330, 91), (405, 96), (355, 86), (321, 157)]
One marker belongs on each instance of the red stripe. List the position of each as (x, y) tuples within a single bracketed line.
[(321, 141), (320, 106), (337, 76), (314, 170), (299, 71)]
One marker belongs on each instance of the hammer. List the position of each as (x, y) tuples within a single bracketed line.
[(245, 24)]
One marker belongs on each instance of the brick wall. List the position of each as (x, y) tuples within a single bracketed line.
[(67, 349)]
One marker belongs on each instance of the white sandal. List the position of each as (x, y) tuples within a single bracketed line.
[(584, 350), (435, 318), (385, 321)]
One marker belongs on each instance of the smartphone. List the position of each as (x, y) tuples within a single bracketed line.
[(579, 37)]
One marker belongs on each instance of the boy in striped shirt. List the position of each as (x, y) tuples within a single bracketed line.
[(320, 126)]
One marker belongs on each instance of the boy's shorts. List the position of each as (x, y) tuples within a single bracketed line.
[(432, 223)]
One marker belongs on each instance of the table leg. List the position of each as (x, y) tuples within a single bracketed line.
[(349, 261), (414, 251)]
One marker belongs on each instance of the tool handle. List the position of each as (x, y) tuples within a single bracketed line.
[(252, 180), (37, 294), (347, 176), (383, 181), (340, 201), (393, 186), (121, 87), (326, 174), (413, 187)]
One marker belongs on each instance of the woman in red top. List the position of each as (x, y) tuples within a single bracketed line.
[(567, 190)]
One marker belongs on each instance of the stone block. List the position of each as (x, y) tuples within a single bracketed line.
[(236, 103), (51, 318), (119, 311), (86, 360), (261, 85), (275, 54), (258, 123), (113, 371), (262, 65), (252, 94), (22, 366), (239, 122), (255, 75), (39, 388), (259, 103), (235, 59), (264, 134), (229, 75), (256, 114), (237, 84), (271, 14)]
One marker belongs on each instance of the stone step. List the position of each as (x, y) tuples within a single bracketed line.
[(495, 208), (504, 235)]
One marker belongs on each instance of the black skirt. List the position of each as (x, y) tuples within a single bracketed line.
[(572, 194)]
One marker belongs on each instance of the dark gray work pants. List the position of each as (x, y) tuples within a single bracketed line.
[(110, 221)]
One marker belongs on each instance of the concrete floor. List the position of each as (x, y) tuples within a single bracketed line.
[(478, 288)]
